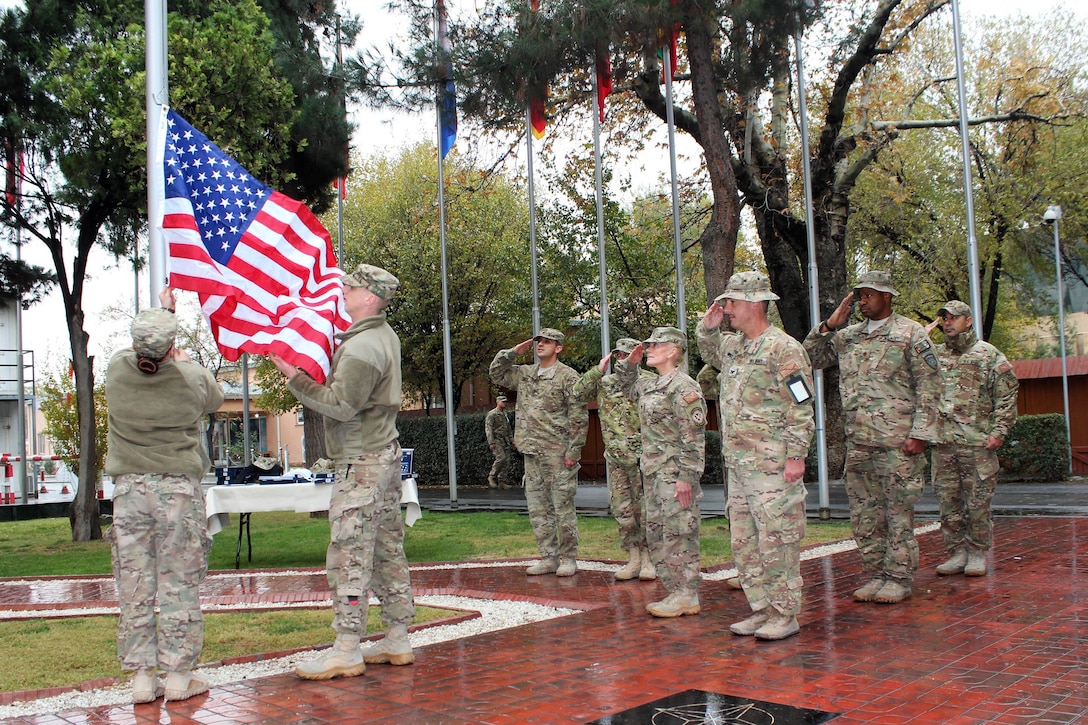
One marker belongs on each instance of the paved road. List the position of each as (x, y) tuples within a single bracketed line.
[(1011, 499)]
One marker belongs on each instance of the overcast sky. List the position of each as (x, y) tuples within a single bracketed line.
[(43, 326)]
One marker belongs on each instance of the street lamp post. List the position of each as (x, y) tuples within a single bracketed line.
[(1053, 215)]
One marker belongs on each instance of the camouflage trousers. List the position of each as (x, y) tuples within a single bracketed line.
[(366, 548), (500, 469), (766, 525), (883, 485), (160, 544), (672, 532), (964, 478), (625, 503), (549, 493)]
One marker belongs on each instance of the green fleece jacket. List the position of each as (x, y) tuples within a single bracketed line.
[(155, 419), (361, 397)]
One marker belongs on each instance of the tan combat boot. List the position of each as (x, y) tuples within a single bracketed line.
[(676, 604), (648, 572), (394, 648), (748, 627), (544, 566), (734, 583), (491, 482), (778, 626), (633, 566), (869, 591), (567, 567), (976, 563), (183, 685), (343, 659), (955, 564), (892, 592), (146, 686)]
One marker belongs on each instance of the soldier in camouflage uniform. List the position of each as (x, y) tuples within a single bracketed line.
[(977, 410), (549, 431), (890, 387), (500, 440), (157, 399), (622, 445), (767, 425), (672, 414), (359, 401)]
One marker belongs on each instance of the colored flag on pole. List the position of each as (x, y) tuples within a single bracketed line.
[(536, 115), (447, 113), (13, 176), (604, 80), (261, 263)]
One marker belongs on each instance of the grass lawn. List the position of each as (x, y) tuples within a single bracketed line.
[(68, 651)]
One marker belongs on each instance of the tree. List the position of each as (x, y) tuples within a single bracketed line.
[(74, 87), (391, 219), (57, 396)]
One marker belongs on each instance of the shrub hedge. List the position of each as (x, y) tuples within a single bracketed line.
[(1035, 449)]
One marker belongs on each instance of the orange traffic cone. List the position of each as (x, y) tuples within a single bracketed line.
[(44, 489), (65, 489)]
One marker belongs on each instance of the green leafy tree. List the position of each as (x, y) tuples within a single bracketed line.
[(57, 398), (74, 91)]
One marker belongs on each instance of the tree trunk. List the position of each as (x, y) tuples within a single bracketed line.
[(86, 524), (313, 430)]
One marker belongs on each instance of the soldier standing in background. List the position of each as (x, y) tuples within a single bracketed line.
[(159, 539), (672, 414), (549, 431), (360, 401), (890, 387), (767, 425), (500, 440), (622, 445), (978, 408)]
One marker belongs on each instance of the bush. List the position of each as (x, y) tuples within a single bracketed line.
[(1035, 449), (427, 435), (713, 475)]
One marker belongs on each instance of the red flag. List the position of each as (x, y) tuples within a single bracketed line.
[(536, 115), (604, 81), (261, 262), (13, 166)]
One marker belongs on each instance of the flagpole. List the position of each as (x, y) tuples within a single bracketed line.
[(157, 96), (341, 183), (447, 348), (532, 221), (968, 192), (681, 311), (813, 287), (606, 333)]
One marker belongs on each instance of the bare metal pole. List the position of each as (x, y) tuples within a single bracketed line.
[(968, 193), (532, 222), (1053, 215), (681, 307), (813, 287), (606, 333), (157, 97)]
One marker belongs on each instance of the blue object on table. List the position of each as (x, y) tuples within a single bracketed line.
[(406, 467)]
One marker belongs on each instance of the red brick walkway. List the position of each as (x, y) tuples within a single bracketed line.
[(1011, 647)]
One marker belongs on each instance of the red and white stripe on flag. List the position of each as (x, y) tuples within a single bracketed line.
[(261, 263)]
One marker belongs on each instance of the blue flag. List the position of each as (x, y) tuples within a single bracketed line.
[(447, 110)]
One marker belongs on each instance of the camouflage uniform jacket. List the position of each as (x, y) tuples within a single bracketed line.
[(672, 413), (497, 428), (762, 423), (361, 397), (979, 391), (618, 414), (549, 420), (155, 419), (889, 380)]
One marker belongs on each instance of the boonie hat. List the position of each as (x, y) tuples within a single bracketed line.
[(748, 286), (625, 345), (153, 332), (878, 280), (669, 334), (379, 281), (550, 333), (956, 308)]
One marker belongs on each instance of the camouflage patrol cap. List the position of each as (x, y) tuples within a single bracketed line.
[(550, 333), (625, 345), (500, 398), (153, 332), (956, 309), (669, 334), (748, 286), (379, 281), (876, 279)]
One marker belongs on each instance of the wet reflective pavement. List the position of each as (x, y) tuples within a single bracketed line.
[(1010, 647)]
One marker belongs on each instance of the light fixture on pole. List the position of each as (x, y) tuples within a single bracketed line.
[(1053, 215)]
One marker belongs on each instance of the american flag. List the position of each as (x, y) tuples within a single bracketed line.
[(261, 263)]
